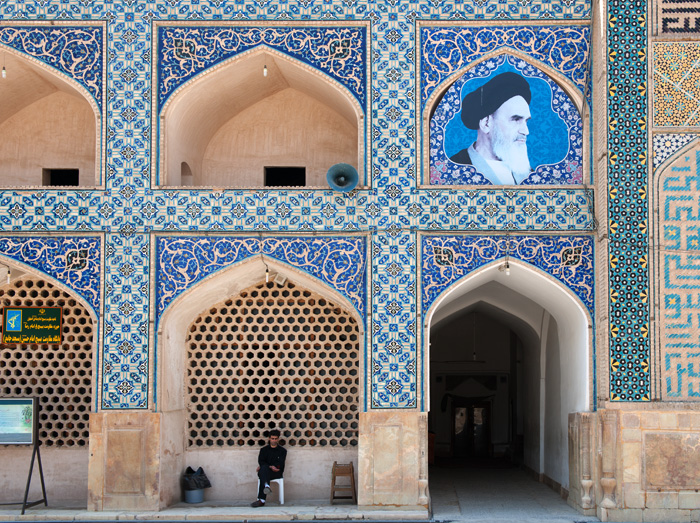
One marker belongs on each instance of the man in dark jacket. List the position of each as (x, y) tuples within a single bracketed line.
[(271, 466)]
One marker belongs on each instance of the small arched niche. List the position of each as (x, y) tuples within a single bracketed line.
[(261, 119), (49, 128), (547, 150)]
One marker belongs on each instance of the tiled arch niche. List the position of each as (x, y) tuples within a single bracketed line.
[(263, 97), (51, 116), (219, 284)]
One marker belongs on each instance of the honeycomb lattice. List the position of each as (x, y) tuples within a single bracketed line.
[(59, 375), (275, 356)]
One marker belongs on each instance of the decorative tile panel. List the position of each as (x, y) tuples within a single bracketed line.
[(664, 145), (676, 84), (679, 285), (628, 272), (339, 262), (676, 17), (390, 213), (125, 362), (75, 262), (77, 52), (556, 129), (184, 52), (447, 259), (446, 50)]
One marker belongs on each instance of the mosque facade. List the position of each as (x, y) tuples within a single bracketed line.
[(259, 214)]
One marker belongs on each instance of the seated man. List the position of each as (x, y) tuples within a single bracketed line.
[(271, 466)]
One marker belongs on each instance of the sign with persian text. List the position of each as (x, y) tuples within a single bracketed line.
[(32, 325), (17, 417)]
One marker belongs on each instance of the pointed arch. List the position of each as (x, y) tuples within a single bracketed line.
[(572, 91), (211, 296), (219, 286), (288, 109), (556, 329), (51, 119)]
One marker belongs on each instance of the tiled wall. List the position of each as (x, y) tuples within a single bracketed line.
[(398, 59)]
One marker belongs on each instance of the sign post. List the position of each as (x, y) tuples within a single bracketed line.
[(19, 425)]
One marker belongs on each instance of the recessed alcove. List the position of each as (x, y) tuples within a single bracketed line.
[(46, 123), (260, 109)]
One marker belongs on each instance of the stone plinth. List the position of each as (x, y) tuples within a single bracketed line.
[(393, 459), (124, 466)]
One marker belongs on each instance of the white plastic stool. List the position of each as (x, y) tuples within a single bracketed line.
[(280, 483)]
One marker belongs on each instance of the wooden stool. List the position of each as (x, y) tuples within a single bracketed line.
[(343, 470)]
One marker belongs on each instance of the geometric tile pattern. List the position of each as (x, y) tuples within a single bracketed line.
[(74, 261), (125, 364), (77, 52), (184, 52), (676, 17), (391, 211), (340, 262), (679, 251), (664, 145), (676, 84), (447, 259), (627, 227)]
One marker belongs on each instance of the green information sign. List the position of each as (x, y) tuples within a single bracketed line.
[(32, 325)]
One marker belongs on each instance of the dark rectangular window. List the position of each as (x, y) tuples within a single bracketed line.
[(285, 176), (59, 177)]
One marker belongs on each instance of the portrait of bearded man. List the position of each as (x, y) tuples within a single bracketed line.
[(499, 112)]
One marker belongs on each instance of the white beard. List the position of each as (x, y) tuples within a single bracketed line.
[(513, 154)]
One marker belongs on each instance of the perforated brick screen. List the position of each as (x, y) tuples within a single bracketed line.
[(273, 356), (59, 375)]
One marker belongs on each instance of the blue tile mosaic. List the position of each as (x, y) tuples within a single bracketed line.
[(569, 170), (126, 357), (665, 145), (677, 258), (339, 262), (339, 52), (447, 50), (75, 51), (76, 261), (391, 211), (628, 272), (446, 259)]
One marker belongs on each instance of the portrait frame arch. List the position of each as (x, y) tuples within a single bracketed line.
[(444, 106)]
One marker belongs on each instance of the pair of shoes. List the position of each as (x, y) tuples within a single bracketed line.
[(267, 489), (257, 503)]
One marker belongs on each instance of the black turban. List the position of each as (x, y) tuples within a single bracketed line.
[(486, 99)]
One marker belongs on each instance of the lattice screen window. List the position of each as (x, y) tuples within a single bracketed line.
[(60, 376), (275, 356)]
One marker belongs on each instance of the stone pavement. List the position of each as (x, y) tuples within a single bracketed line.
[(458, 494), (505, 495)]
